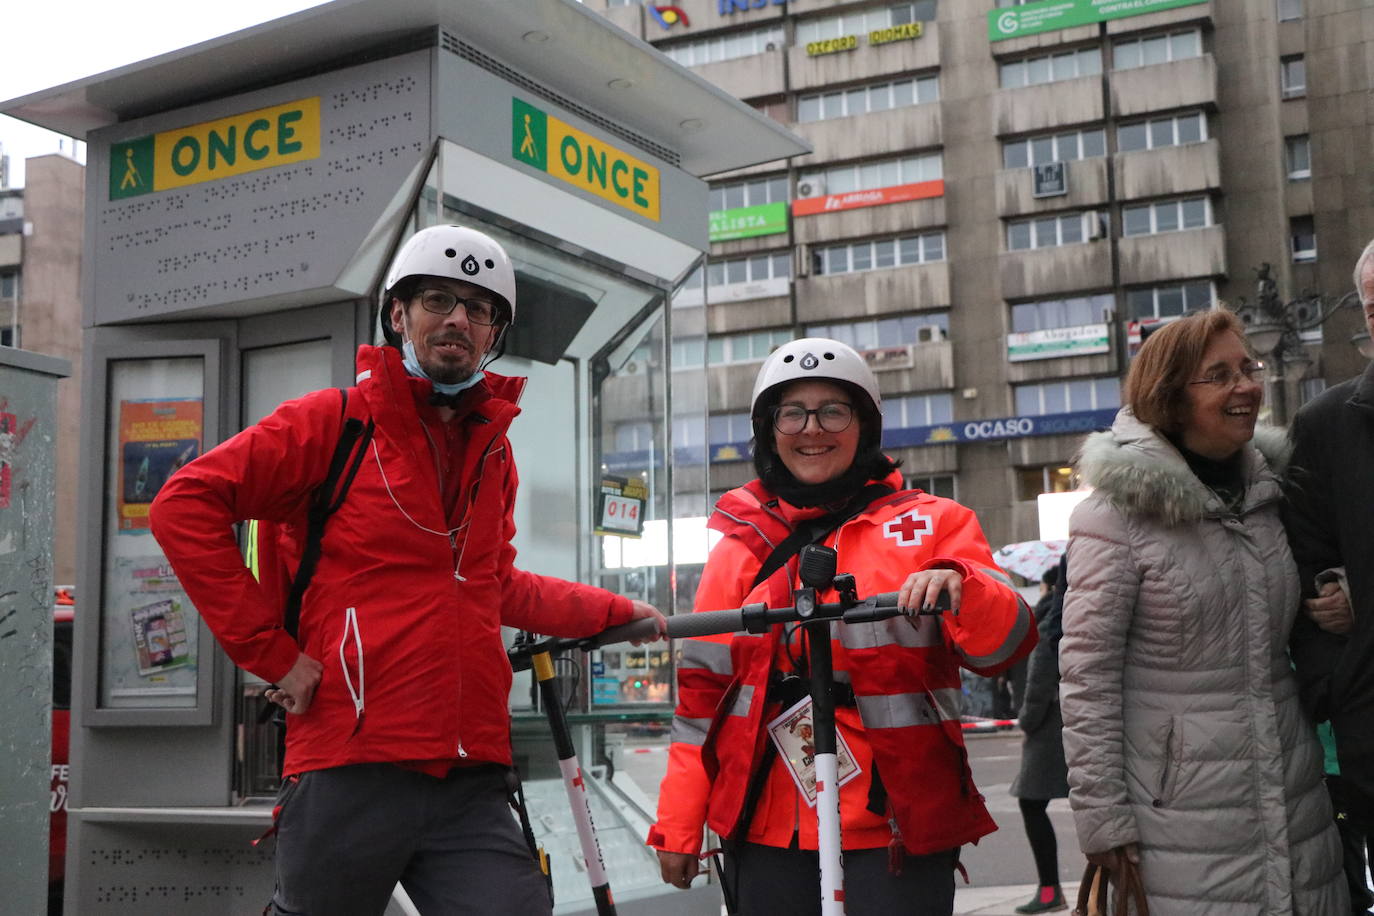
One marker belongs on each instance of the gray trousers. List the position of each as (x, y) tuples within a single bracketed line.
[(347, 835), (768, 880)]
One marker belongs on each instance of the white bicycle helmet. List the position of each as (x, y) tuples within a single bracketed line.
[(457, 253), (815, 358)]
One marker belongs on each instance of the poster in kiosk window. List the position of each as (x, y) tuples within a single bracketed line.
[(620, 506)]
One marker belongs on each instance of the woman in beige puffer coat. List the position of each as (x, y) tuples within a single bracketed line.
[(1187, 749)]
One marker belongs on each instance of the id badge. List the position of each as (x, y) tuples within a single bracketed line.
[(792, 733)]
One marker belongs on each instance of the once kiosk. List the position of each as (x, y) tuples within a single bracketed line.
[(244, 197)]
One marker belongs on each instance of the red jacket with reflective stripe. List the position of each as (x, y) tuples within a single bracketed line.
[(406, 606), (905, 678)]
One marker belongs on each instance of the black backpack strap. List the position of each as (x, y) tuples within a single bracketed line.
[(815, 530), (328, 497)]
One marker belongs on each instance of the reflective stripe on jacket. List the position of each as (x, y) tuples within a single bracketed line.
[(406, 606), (905, 678)]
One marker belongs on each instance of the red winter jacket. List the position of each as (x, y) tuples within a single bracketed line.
[(905, 679), (406, 606)]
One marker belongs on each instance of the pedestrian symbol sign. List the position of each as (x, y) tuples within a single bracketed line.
[(131, 168), (540, 140)]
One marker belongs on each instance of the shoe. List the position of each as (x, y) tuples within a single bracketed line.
[(1046, 900)]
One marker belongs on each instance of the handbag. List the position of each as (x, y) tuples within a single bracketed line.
[(1108, 892)]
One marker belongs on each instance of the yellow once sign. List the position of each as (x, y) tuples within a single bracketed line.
[(241, 143), (584, 161)]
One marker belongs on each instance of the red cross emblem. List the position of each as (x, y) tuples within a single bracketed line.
[(909, 528)]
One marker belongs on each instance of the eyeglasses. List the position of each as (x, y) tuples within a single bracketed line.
[(833, 418), (442, 302), (1229, 378)]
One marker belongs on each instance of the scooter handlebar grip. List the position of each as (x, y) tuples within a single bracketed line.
[(644, 628), (705, 623)]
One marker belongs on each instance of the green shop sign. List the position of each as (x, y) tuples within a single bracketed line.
[(1048, 15), (747, 222)]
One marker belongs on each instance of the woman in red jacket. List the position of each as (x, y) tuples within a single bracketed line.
[(907, 797)]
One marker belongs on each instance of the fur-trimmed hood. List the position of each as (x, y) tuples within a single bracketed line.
[(1142, 472)]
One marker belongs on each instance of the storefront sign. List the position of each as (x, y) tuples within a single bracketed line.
[(1077, 341), (620, 506), (832, 45), (748, 222), (1048, 15), (1049, 179), (669, 16), (852, 200), (727, 7), (904, 32), (540, 140), (1054, 424), (217, 149)]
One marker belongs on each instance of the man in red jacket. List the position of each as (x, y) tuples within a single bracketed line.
[(398, 744)]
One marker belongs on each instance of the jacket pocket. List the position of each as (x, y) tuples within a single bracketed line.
[(1167, 780), (351, 665)]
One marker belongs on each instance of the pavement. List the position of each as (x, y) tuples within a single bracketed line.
[(998, 901)]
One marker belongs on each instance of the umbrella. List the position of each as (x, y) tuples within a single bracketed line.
[(1030, 558)]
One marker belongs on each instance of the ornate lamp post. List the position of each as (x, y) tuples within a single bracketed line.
[(1275, 330)]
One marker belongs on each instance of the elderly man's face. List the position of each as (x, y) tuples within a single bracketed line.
[(1367, 294)]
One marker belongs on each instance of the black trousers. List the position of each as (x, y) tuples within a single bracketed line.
[(347, 835), (768, 880)]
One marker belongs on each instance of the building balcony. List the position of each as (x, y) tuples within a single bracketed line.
[(11, 249), (870, 222), (730, 317), (1168, 170), (902, 369), (1188, 83), (913, 127), (1049, 105), (746, 77), (1195, 12), (865, 62), (1065, 269), (1087, 188), (873, 292), (1173, 255)]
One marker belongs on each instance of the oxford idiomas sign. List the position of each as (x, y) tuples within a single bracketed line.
[(1049, 15)]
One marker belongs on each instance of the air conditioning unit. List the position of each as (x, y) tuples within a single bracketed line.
[(802, 261), (929, 333), (811, 187)]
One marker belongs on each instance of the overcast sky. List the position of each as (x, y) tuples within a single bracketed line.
[(51, 42)]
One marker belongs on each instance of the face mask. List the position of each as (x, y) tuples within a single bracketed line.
[(413, 367)]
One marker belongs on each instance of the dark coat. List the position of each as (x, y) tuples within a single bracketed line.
[(1330, 521), (1043, 771)]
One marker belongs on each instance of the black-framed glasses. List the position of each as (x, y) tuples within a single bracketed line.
[(1229, 378), (790, 419), (442, 302)]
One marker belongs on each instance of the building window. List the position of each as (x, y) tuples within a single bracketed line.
[(1050, 478), (1298, 157), (908, 411), (1304, 238), (872, 175), (1156, 132), (745, 348), (747, 193), (752, 269), (1293, 76), (9, 337), (1050, 68), (1156, 49), (689, 431), (724, 428), (776, 109), (1169, 300), (9, 285), (1067, 396), (1052, 231), (724, 47), (1166, 216), (1290, 10), (879, 254), (863, 99), (876, 333), (865, 21), (634, 436), (1075, 144), (934, 484), (1047, 314)]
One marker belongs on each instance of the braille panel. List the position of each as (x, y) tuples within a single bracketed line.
[(278, 232)]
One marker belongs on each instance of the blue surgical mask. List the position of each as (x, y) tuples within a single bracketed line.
[(413, 366)]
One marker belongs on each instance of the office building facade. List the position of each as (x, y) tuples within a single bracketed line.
[(999, 201)]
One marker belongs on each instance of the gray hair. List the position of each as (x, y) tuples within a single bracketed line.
[(1364, 258)]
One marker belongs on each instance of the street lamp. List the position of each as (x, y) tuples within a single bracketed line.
[(1275, 330)]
